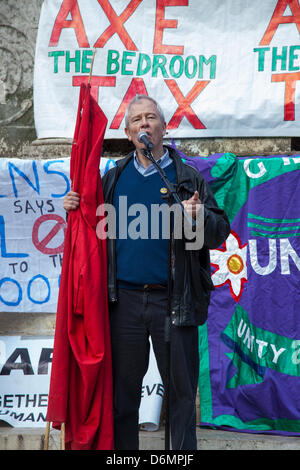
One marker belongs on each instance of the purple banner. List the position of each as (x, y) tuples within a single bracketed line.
[(250, 346)]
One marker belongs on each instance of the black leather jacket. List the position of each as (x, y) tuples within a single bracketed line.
[(190, 269)]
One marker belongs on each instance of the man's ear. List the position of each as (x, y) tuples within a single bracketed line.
[(128, 134), (164, 128)]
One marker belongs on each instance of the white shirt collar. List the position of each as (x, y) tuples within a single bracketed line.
[(162, 161)]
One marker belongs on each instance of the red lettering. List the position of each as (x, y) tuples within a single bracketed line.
[(116, 24), (137, 86), (290, 80), (96, 82), (69, 6), (184, 102), (278, 18), (161, 23)]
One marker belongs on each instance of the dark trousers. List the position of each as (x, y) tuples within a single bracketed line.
[(137, 315)]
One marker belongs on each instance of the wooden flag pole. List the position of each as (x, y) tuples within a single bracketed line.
[(46, 441), (62, 436), (92, 64)]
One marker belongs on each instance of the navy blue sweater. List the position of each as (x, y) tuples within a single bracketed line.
[(141, 247)]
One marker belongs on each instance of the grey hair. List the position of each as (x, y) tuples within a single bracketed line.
[(138, 98)]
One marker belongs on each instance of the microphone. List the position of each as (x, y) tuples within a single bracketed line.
[(143, 138)]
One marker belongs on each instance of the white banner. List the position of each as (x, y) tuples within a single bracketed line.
[(25, 370), (218, 69), (32, 229)]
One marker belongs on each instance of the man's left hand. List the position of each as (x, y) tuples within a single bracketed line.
[(192, 205)]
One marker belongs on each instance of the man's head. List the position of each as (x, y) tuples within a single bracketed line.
[(145, 114)]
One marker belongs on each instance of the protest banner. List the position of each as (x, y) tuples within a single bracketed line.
[(249, 348), (218, 69), (25, 369)]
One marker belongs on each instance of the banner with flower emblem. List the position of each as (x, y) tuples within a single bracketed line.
[(250, 346)]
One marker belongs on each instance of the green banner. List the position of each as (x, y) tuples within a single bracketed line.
[(255, 350)]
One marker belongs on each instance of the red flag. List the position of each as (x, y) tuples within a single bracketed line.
[(81, 393)]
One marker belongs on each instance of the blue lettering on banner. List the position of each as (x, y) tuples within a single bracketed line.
[(46, 168), (26, 187), (29, 289), (7, 302), (108, 163), (4, 253), (12, 167), (34, 182)]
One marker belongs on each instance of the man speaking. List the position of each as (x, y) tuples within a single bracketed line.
[(149, 276)]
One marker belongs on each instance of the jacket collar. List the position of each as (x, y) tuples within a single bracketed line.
[(182, 175)]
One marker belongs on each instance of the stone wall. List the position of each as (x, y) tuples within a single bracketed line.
[(18, 29)]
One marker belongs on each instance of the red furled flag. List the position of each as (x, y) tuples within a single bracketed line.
[(81, 394)]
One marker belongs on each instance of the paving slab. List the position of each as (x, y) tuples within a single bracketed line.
[(208, 439)]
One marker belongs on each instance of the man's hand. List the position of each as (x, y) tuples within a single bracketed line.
[(71, 201), (192, 205)]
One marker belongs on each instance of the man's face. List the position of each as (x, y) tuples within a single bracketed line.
[(144, 116)]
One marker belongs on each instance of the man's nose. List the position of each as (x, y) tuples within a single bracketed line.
[(144, 122)]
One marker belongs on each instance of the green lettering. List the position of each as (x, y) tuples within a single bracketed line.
[(86, 60), (213, 63), (75, 59), (56, 55), (261, 57), (112, 62), (193, 72), (276, 57), (179, 60), (159, 62), (143, 58), (127, 60), (292, 58)]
